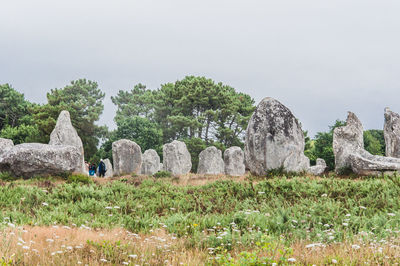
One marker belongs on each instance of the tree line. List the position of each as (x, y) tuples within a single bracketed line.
[(196, 110)]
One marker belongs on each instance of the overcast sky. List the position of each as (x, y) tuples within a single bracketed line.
[(320, 58)]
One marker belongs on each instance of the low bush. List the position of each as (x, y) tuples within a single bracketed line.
[(79, 178), (162, 174)]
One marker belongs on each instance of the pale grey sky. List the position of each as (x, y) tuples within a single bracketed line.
[(320, 58)]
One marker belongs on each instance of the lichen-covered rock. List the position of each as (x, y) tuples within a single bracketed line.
[(5, 145), (177, 159), (234, 161), (150, 162), (391, 132), (109, 168), (65, 134), (127, 157), (30, 159), (210, 162), (347, 140), (274, 139), (348, 148), (319, 168)]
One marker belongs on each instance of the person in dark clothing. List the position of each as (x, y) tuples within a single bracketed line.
[(102, 168), (92, 169)]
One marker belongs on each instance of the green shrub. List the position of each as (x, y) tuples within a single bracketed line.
[(7, 176), (79, 178), (162, 174)]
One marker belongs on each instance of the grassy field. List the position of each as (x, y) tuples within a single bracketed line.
[(195, 220)]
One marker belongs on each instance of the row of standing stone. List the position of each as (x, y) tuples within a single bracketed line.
[(128, 158)]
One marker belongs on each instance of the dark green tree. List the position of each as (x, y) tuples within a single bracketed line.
[(14, 109), (323, 145), (374, 142), (83, 99)]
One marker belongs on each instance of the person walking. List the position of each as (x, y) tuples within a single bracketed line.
[(102, 168)]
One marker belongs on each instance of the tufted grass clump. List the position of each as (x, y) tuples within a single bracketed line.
[(7, 176), (79, 178)]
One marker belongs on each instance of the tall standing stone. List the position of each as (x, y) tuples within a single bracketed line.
[(274, 139), (150, 162), (210, 162), (177, 159), (127, 157), (347, 140), (65, 134), (5, 145), (391, 132), (109, 168), (234, 161)]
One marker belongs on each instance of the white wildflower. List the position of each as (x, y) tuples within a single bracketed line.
[(334, 261), (355, 247), (45, 204), (133, 256), (345, 224), (291, 260), (25, 247), (391, 214)]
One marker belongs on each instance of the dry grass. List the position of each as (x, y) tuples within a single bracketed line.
[(61, 245)]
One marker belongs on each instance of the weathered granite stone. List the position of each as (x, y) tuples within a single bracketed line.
[(150, 162), (319, 168), (347, 140), (348, 148), (31, 159), (177, 159), (210, 162), (109, 168), (127, 157), (274, 139), (5, 145), (234, 161), (65, 134), (391, 132)]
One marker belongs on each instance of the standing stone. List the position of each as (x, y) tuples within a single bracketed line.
[(348, 148), (177, 159), (150, 162), (391, 132), (234, 161), (109, 168), (347, 140), (65, 134), (274, 139), (210, 162), (30, 159), (127, 157), (319, 168), (5, 145)]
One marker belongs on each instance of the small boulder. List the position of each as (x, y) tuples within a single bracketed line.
[(177, 159), (150, 162), (30, 159), (210, 162), (5, 145), (319, 168), (109, 168), (127, 157), (234, 161), (65, 134), (274, 139)]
